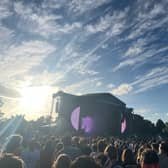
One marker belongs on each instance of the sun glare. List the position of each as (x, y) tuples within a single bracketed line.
[(34, 99)]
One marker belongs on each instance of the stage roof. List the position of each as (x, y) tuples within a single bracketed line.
[(98, 97)]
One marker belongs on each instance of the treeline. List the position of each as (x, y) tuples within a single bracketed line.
[(136, 125)]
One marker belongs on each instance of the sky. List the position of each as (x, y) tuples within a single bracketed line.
[(84, 46)]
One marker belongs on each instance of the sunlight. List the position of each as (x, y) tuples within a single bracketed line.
[(34, 99)]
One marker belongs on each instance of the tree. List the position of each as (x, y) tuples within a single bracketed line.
[(165, 130), (160, 125)]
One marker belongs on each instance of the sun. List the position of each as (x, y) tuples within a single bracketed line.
[(33, 99)]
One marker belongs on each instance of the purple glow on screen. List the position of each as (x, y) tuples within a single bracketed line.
[(123, 126), (75, 118), (87, 124)]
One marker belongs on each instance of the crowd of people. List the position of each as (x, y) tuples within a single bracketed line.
[(84, 152)]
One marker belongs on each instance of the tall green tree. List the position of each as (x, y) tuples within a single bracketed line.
[(160, 125)]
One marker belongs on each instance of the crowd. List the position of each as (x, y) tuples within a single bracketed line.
[(84, 152)]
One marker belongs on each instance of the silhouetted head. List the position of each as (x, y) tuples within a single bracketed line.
[(155, 147), (101, 159), (127, 156), (84, 162), (111, 152), (101, 145), (11, 161), (164, 148), (149, 158), (14, 143), (63, 161), (67, 140)]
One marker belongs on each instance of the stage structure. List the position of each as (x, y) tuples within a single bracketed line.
[(98, 113)]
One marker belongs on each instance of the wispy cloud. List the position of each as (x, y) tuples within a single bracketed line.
[(4, 9), (6, 36), (45, 78), (153, 78), (112, 24), (20, 58), (82, 85), (142, 111), (41, 21), (99, 83), (8, 92), (81, 6), (82, 62), (122, 89), (149, 114), (141, 38), (110, 86), (136, 48)]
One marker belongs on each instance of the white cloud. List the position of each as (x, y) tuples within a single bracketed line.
[(149, 114), (5, 33), (158, 9), (133, 51), (101, 26), (146, 20), (153, 78), (110, 86), (99, 83), (143, 54), (127, 62), (82, 86), (6, 36), (4, 9), (81, 62), (122, 89), (8, 92), (142, 111), (19, 59), (156, 114), (104, 46), (45, 78), (81, 6), (41, 21), (112, 24)]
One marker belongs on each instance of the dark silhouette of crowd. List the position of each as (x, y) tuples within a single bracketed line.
[(84, 152)]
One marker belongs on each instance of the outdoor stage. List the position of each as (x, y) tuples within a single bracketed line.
[(98, 114)]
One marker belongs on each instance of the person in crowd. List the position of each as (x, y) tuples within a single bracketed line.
[(10, 161), (25, 152), (62, 161), (101, 158), (113, 161), (14, 144), (128, 159), (139, 153), (33, 155), (155, 147), (46, 154), (69, 149), (149, 159), (163, 155), (94, 150), (59, 147), (101, 145), (85, 162), (84, 147)]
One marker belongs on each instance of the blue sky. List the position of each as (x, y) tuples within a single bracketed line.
[(83, 46)]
